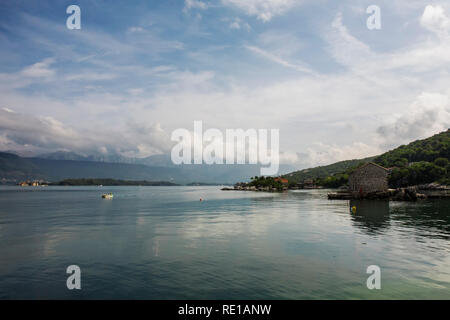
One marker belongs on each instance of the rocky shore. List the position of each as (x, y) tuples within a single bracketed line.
[(413, 193), (253, 188)]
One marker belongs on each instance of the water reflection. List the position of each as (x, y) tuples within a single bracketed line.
[(430, 219), (163, 243), (371, 216)]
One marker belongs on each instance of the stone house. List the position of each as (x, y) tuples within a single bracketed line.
[(368, 178)]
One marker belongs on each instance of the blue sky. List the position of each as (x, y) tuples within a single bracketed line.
[(138, 70)]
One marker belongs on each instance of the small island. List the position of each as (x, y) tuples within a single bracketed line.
[(261, 184)]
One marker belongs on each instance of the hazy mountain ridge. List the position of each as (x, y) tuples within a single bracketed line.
[(14, 168), (158, 160), (412, 160)]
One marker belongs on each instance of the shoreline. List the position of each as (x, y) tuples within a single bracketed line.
[(411, 193)]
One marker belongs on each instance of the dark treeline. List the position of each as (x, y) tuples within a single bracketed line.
[(263, 182), (111, 182)]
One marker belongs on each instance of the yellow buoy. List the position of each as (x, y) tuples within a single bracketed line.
[(354, 209)]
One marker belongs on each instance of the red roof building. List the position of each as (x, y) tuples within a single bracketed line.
[(282, 180)]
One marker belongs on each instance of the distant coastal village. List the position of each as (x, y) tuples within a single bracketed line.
[(33, 183)]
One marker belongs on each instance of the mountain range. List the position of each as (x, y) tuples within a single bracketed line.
[(64, 165), (422, 159)]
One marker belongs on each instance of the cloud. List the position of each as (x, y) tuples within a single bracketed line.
[(276, 59), (136, 29), (92, 44), (235, 25), (7, 109), (346, 49), (39, 69), (135, 91), (43, 134), (38, 72), (194, 4), (428, 115), (323, 153), (90, 76), (289, 157), (39, 132), (264, 10), (238, 24), (435, 20), (415, 63)]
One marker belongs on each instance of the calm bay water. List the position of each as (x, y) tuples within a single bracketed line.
[(163, 243)]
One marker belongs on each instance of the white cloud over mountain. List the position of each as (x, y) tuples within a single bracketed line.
[(429, 114), (46, 134)]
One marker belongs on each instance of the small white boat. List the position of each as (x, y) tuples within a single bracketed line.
[(107, 196)]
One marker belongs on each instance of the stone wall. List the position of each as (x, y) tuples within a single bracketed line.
[(368, 178)]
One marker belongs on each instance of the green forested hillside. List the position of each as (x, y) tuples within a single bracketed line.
[(323, 172), (421, 161), (437, 146)]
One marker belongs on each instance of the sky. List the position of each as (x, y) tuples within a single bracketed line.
[(136, 71)]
